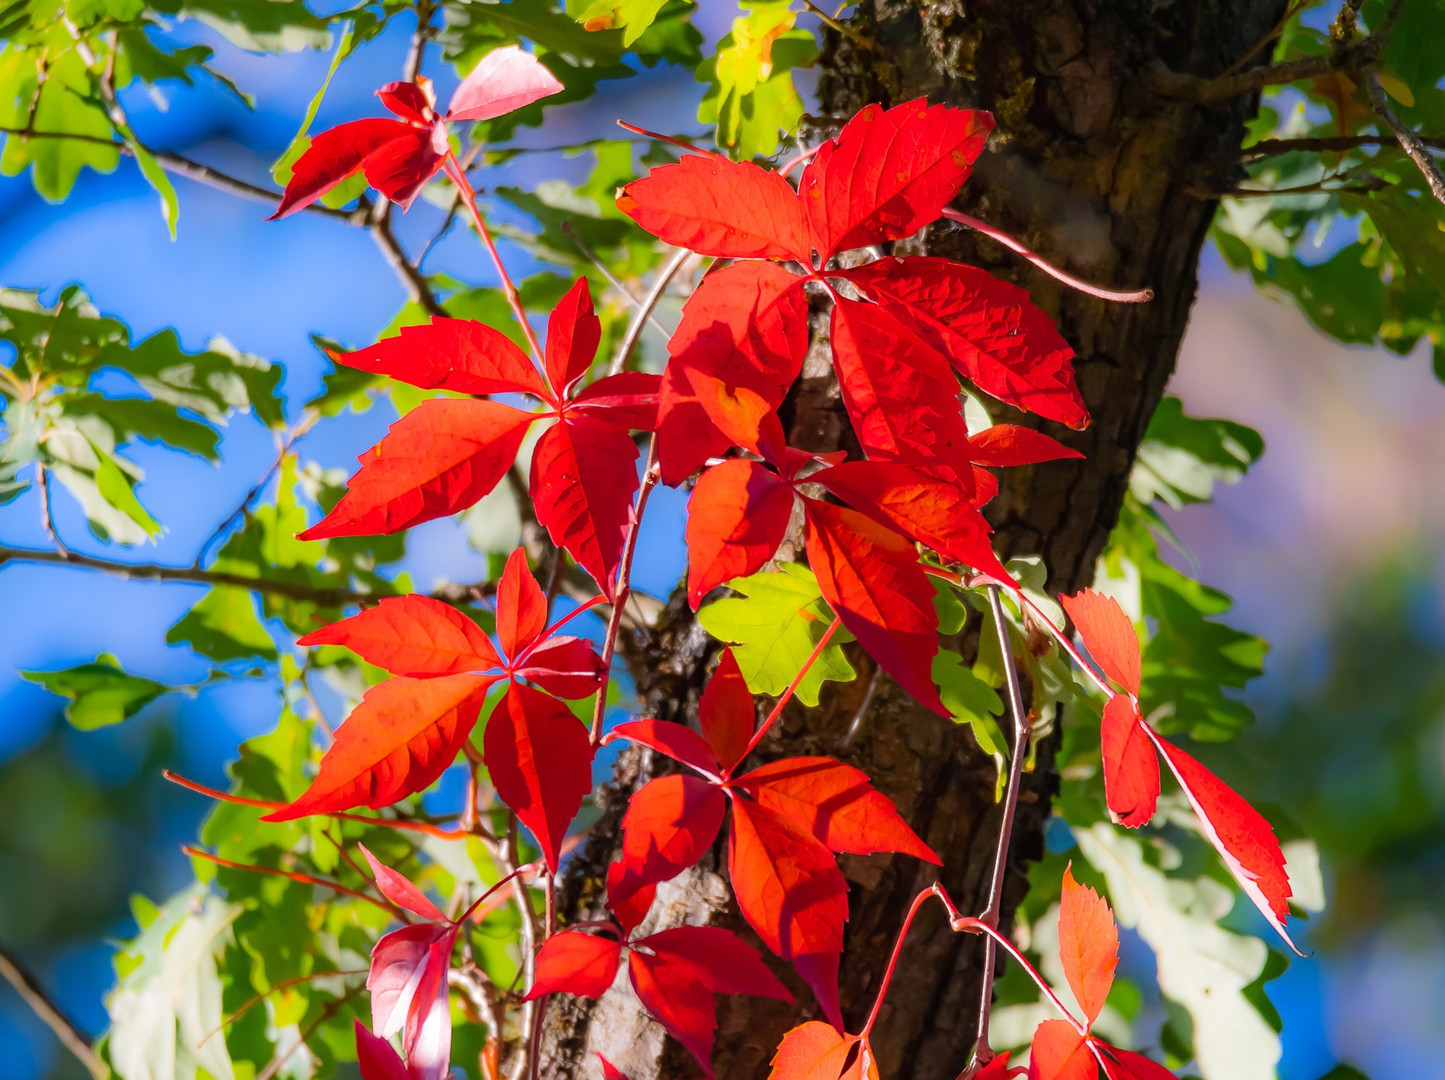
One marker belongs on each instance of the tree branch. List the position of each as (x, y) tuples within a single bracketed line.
[(1329, 143), (412, 278), (43, 1005), (1202, 91), (1408, 140)]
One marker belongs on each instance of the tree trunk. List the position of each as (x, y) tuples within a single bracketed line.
[(1093, 169)]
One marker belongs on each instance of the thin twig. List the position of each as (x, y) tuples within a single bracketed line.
[(1408, 140), (1326, 143), (34, 994), (330, 1009), (423, 33), (414, 280), (639, 319), (612, 279), (1259, 46), (1315, 187), (47, 521), (1202, 91)]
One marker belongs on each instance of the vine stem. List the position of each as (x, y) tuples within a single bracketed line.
[(509, 290), (304, 879), (969, 924), (984, 1053), (792, 688), (918, 902)]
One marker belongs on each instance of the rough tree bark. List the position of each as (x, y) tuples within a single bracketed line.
[(1093, 169)]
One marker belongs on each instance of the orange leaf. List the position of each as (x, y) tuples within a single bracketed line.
[(1088, 945)]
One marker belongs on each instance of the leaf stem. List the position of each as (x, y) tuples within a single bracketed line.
[(969, 924), (918, 902), (792, 688)]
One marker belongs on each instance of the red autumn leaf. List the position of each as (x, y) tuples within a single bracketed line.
[(997, 1069), (1131, 765), (576, 962), (677, 741), (1108, 635), (412, 635), (669, 825), (629, 911), (901, 395), (871, 578), (402, 736), (928, 508), (396, 888), (376, 1058), (987, 328), (409, 993), (746, 325), (627, 400), (460, 355), (736, 517), (611, 1071), (521, 606), (836, 803), (1088, 945), (1059, 1052), (713, 206), (790, 891), (583, 479), (333, 156), (438, 459), (726, 712), (540, 762), (399, 169), (818, 1051), (1238, 832), (503, 81), (1005, 445), (573, 334), (1127, 1065), (889, 173), (565, 666), (677, 973)]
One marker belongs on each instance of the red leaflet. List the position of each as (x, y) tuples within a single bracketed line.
[(400, 891), (735, 210), (438, 459), (669, 824), (334, 155), (504, 81), (1088, 945), (791, 893), (451, 354), (871, 578), (1238, 832), (726, 712), (1107, 634), (573, 334), (578, 963), (677, 741), (1127, 1065), (1008, 444), (566, 666), (611, 1071), (628, 400), (540, 761), (584, 476), (889, 173), (988, 328), (376, 1059), (1131, 766), (817, 1051), (412, 635), (736, 517), (1059, 1052), (630, 911), (521, 605), (403, 735), (997, 1069), (836, 803)]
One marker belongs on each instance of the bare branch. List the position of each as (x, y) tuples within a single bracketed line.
[(639, 320), (1204, 91), (47, 520), (43, 1005), (414, 280), (1408, 140), (1329, 143)]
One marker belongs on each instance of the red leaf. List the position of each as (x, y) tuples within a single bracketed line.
[(677, 741), (1238, 832), (736, 518), (504, 81), (1131, 766), (626, 400), (565, 666), (410, 101), (836, 803), (669, 825), (540, 761), (575, 962), (632, 909), (988, 328), (451, 354), (401, 737), (713, 206), (746, 325), (396, 888), (744, 416), (427, 1039), (584, 476), (399, 966), (1108, 635), (1004, 445), (676, 972), (1127, 1065), (438, 459), (889, 173), (900, 395), (399, 169), (932, 510), (611, 1071), (871, 577), (332, 157), (726, 712), (573, 334), (789, 890), (376, 1058), (521, 606), (997, 1069), (412, 635), (1058, 1052), (818, 1051), (1088, 945)]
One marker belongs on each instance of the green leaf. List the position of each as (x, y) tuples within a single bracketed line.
[(632, 16), (751, 96), (774, 627), (100, 693), (1182, 458), (224, 626), (118, 490), (64, 106), (156, 177)]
